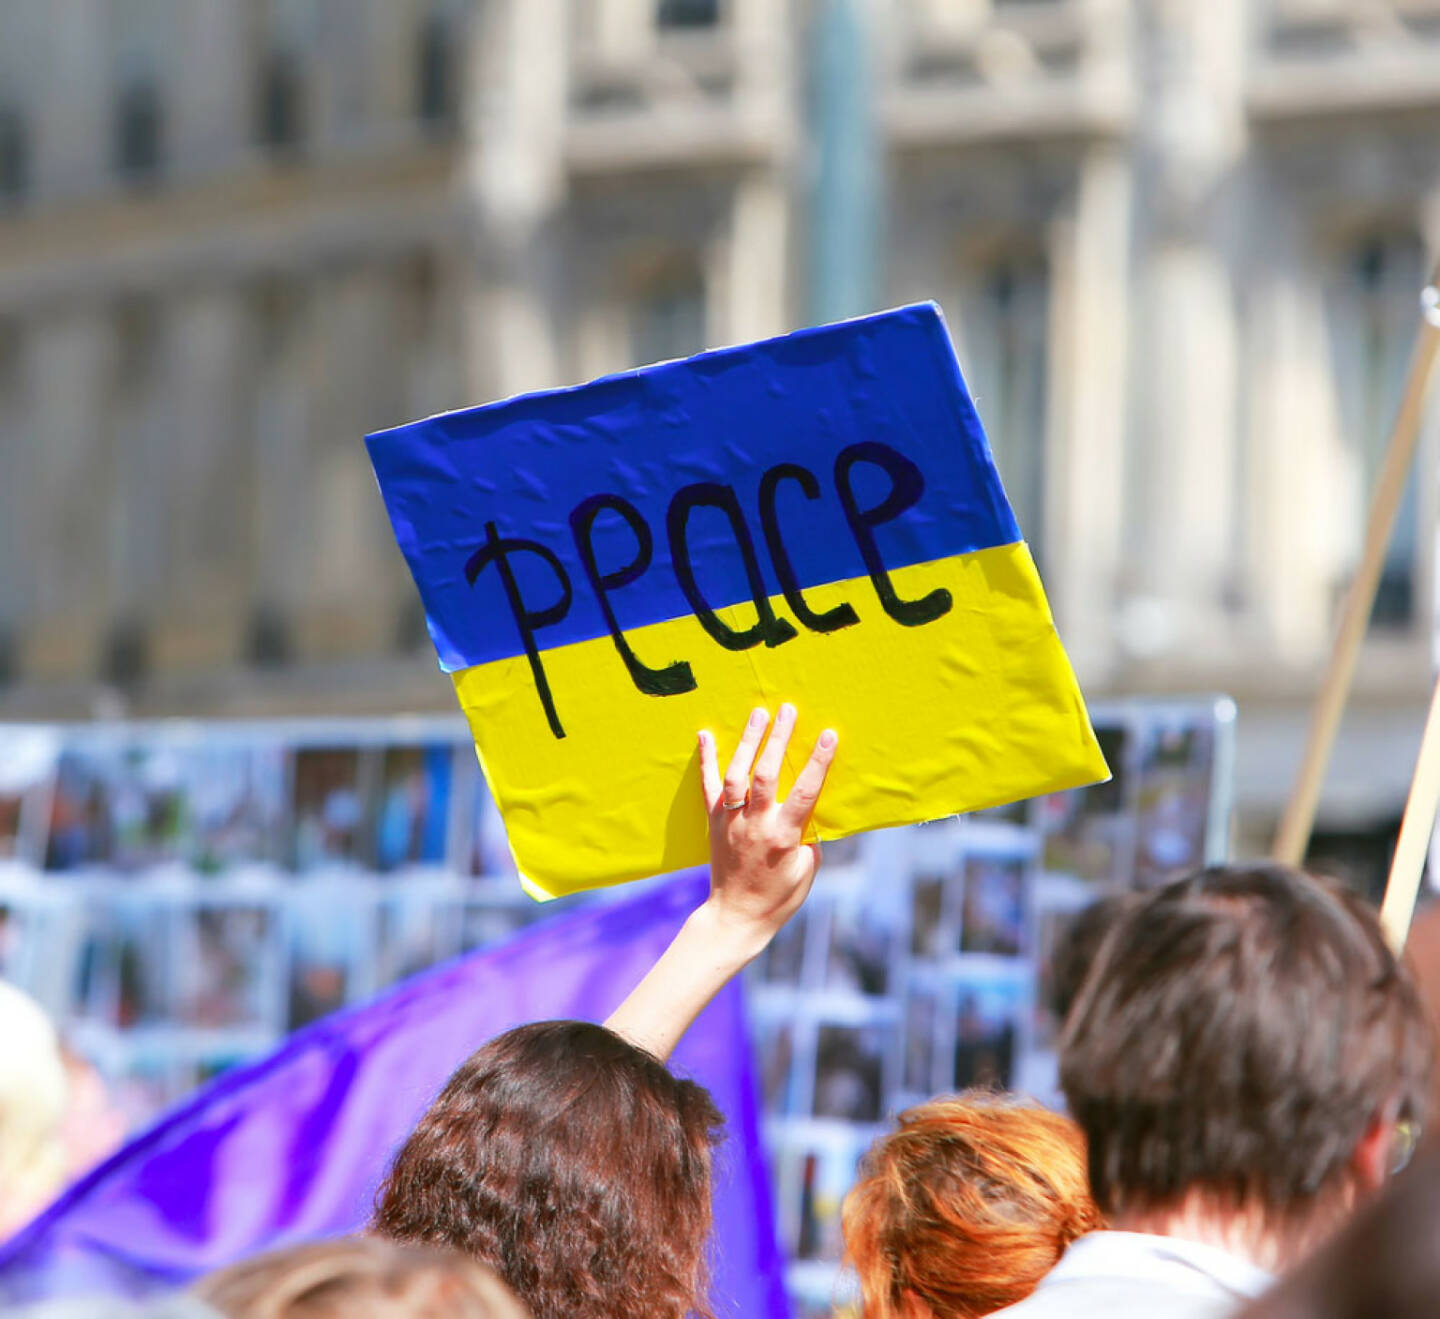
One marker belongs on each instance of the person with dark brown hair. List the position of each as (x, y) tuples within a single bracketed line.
[(565, 1155), (965, 1206), (358, 1278), (1244, 1059)]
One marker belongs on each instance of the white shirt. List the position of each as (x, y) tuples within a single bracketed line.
[(1136, 1275)]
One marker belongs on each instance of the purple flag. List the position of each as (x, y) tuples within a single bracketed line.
[(293, 1147)]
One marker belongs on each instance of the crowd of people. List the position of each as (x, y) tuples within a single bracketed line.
[(1245, 1062)]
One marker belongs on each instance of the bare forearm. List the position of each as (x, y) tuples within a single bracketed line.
[(761, 870), (706, 953)]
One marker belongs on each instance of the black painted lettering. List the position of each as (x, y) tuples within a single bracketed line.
[(906, 486), (769, 628), (674, 678), (497, 550), (831, 620)]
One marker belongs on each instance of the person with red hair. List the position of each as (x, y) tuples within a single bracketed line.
[(965, 1206)]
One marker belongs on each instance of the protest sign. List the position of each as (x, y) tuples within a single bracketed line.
[(609, 568)]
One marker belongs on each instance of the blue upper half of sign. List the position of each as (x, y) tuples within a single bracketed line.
[(519, 469)]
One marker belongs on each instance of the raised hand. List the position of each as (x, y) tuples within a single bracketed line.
[(761, 870)]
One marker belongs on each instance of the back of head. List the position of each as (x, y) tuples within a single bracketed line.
[(575, 1165), (32, 1109), (1240, 1033), (359, 1279), (965, 1207)]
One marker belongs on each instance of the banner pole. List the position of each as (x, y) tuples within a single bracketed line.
[(1293, 835), (1415, 830)]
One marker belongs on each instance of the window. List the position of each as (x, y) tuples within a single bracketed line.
[(14, 154), (1374, 311), (687, 13), (1005, 331), (139, 128), (435, 86), (668, 318), (280, 104)]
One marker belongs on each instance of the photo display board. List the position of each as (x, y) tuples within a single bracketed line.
[(181, 896)]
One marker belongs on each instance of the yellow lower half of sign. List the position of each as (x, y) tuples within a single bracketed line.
[(976, 709)]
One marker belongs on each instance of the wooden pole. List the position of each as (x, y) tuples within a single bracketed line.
[(1293, 836), (1415, 831)]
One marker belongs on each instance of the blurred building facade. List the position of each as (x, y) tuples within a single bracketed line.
[(1179, 246)]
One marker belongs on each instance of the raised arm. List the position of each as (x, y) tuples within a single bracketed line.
[(760, 873)]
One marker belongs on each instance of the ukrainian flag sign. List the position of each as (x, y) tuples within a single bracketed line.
[(608, 569)]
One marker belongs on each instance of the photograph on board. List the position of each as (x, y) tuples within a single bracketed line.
[(1089, 833), (986, 1026), (81, 826), (27, 768), (784, 961), (993, 914), (238, 805), (932, 925), (232, 966), (814, 1175), (1177, 764), (850, 1071), (16, 940), (330, 806), (862, 942), (126, 966), (149, 809), (775, 1049), (329, 947), (414, 929), (483, 924), (412, 819), (922, 1023)]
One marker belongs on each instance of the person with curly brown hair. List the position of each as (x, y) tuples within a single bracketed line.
[(565, 1155), (965, 1206)]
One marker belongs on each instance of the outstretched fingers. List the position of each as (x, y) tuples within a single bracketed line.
[(737, 776), (710, 781), (800, 804), (767, 769)]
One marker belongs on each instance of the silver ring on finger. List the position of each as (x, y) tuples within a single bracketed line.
[(733, 805)]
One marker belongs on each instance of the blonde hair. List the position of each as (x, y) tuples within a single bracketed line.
[(33, 1092), (963, 1208), (359, 1277)]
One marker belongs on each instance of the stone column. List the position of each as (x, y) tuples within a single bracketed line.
[(1181, 499), (68, 493), (518, 75), (1089, 253), (212, 84), (211, 472), (353, 569), (18, 442), (73, 147), (1299, 530), (747, 275), (281, 371)]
